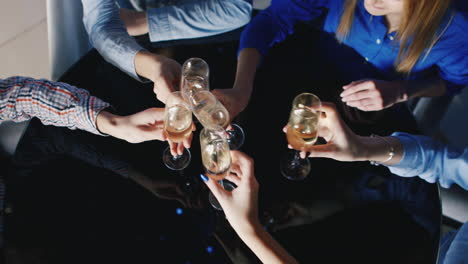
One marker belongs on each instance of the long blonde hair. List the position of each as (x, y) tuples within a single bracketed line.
[(417, 31)]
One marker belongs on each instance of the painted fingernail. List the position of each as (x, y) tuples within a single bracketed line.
[(204, 178)]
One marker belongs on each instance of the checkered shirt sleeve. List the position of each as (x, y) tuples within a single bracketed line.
[(54, 103)]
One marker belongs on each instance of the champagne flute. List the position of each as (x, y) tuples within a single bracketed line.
[(195, 77), (216, 158), (178, 127), (211, 112), (301, 135)]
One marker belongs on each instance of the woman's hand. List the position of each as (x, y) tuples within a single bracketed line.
[(239, 205), (342, 144), (178, 148), (373, 95), (233, 99)]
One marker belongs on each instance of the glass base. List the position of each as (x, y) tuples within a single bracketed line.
[(228, 186), (293, 167), (236, 137), (179, 162)]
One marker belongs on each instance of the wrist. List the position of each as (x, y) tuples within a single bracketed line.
[(145, 64), (106, 122), (242, 85), (382, 150), (362, 152), (249, 229)]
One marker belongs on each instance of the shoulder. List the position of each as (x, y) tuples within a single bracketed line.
[(459, 21), (453, 30)]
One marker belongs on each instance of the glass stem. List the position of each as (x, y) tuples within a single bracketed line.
[(297, 158)]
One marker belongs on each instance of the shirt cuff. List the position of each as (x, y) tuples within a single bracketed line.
[(411, 156), (129, 65), (158, 24), (90, 109)]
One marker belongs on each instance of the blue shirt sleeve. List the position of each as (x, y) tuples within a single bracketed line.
[(455, 251), (453, 66), (109, 36), (197, 18), (275, 23), (432, 161)]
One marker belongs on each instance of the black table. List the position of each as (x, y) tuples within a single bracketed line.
[(81, 198)]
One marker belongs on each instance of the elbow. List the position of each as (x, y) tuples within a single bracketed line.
[(237, 12)]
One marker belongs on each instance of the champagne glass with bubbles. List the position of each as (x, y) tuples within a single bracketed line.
[(195, 77), (301, 135), (211, 112), (216, 158), (178, 127)]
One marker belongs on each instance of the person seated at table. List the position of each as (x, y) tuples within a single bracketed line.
[(417, 47), (109, 30), (64, 105)]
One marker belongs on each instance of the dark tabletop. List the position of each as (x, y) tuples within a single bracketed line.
[(81, 198)]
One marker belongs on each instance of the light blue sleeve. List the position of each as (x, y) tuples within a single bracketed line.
[(455, 252), (197, 18), (109, 36), (432, 161)]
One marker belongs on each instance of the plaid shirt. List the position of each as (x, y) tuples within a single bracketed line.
[(54, 103)]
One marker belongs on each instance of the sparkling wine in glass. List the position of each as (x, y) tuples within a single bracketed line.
[(211, 112), (216, 157), (178, 127), (195, 77), (301, 135)]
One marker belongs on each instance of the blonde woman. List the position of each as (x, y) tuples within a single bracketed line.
[(419, 46)]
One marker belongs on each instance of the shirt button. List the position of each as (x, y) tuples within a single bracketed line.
[(367, 59), (390, 37), (378, 41)]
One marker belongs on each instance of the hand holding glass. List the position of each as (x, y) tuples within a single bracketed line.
[(216, 158), (301, 135), (177, 127)]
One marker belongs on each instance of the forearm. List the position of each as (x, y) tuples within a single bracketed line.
[(53, 103), (144, 64), (265, 247), (430, 87), (136, 22), (201, 18), (378, 149), (107, 33), (247, 64)]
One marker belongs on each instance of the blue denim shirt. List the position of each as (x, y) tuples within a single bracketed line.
[(176, 19), (368, 37), (436, 162)]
